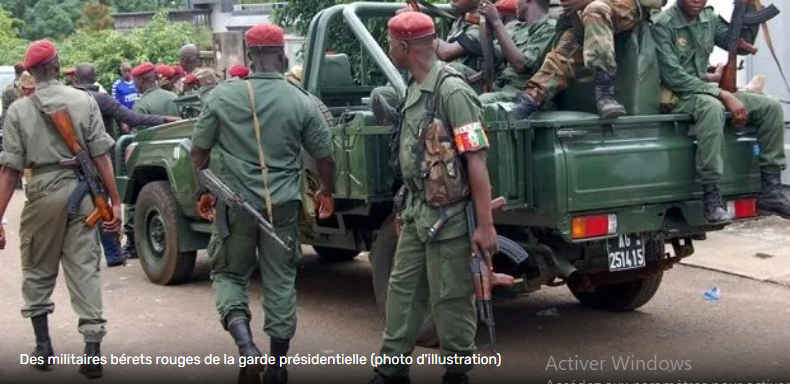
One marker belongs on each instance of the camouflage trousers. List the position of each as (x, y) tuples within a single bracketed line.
[(601, 19)]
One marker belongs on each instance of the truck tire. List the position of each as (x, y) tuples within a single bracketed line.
[(381, 255), (627, 296), (335, 255), (156, 236)]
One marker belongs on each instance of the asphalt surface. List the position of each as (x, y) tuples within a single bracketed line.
[(742, 337)]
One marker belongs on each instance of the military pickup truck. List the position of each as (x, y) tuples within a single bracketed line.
[(592, 205)]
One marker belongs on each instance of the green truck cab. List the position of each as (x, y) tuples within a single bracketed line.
[(594, 205)]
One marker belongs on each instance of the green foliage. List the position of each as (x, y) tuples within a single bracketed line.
[(12, 48), (51, 18), (95, 17)]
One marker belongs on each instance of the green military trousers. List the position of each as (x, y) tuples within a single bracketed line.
[(505, 94), (50, 238), (708, 112), (436, 277), (235, 258)]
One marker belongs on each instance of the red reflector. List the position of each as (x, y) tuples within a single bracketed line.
[(743, 208), (594, 226)]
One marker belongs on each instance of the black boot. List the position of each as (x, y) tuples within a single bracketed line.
[(129, 250), (608, 106), (714, 206), (239, 328), (92, 371), (455, 378), (277, 373), (43, 342), (525, 106), (772, 199), (386, 115), (381, 379)]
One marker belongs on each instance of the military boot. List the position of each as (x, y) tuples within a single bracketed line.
[(94, 369), (608, 106), (129, 249), (379, 378), (239, 328), (455, 378), (525, 106), (714, 206), (386, 114), (277, 373), (772, 199), (43, 342)]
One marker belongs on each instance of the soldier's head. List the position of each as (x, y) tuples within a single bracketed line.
[(463, 6), (692, 8), (85, 74), (266, 48), (27, 84), (412, 38), (525, 7), (41, 60), (126, 71), (19, 69), (145, 77), (189, 57)]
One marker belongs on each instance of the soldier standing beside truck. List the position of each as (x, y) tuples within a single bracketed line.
[(50, 235), (685, 35), (259, 126), (440, 123)]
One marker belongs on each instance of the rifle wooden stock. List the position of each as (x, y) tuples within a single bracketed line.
[(729, 76), (62, 122)]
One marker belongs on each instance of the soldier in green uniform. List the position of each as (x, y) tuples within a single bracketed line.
[(685, 35), (189, 59), (51, 237), (12, 91), (586, 42), (523, 44), (287, 121), (153, 101), (434, 272)]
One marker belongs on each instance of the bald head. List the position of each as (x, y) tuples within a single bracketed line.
[(189, 57), (85, 74)]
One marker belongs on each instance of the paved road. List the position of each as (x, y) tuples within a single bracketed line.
[(744, 336)]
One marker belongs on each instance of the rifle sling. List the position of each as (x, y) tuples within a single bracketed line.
[(770, 44), (261, 158)]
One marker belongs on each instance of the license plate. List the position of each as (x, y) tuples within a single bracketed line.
[(626, 252)]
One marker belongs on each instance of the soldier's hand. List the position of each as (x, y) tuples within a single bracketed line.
[(572, 6), (714, 73), (326, 204), (171, 119), (205, 206), (114, 226), (2, 237), (485, 243), (739, 114), (490, 12)]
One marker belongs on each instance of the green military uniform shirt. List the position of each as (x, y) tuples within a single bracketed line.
[(459, 106), (532, 41), (10, 94), (463, 29), (288, 121), (684, 48), (157, 101)]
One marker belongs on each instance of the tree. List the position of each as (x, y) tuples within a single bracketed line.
[(95, 17), (51, 19), (12, 48), (146, 5)]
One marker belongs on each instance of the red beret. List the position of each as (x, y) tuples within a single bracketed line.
[(239, 70), (190, 79), (507, 7), (178, 70), (165, 71), (265, 35), (70, 71), (411, 25), (143, 69), (39, 52)]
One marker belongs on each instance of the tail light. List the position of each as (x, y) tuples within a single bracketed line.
[(128, 152), (593, 226), (743, 208)]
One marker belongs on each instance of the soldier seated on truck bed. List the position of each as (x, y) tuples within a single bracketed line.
[(689, 30)]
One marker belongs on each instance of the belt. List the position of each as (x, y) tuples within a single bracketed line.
[(47, 168)]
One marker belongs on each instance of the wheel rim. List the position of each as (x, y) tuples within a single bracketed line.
[(156, 235)]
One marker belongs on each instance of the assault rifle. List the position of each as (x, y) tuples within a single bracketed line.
[(486, 51), (741, 20), (221, 191)]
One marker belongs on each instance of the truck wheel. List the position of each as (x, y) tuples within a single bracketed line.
[(156, 236), (381, 255), (627, 296), (334, 255)]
